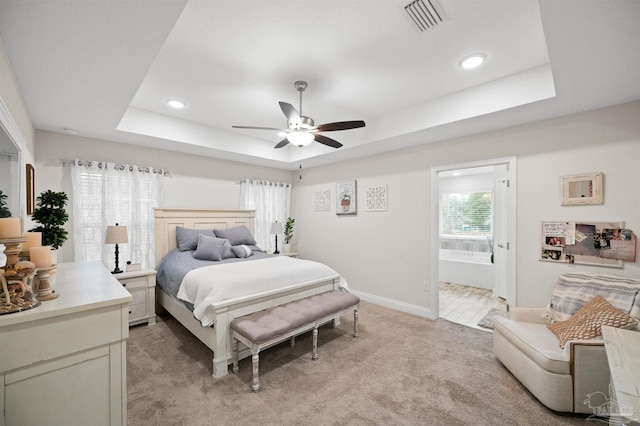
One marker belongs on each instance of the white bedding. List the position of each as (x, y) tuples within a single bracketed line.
[(205, 286)]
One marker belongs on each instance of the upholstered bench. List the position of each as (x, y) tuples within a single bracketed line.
[(266, 328)]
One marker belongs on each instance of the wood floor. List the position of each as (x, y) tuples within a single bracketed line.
[(467, 305)]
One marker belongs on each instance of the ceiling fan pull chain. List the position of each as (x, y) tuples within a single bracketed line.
[(300, 163)]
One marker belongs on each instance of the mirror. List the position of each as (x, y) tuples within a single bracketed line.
[(582, 189), (10, 172)]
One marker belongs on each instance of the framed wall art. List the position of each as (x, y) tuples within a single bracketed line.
[(323, 200), (582, 189), (346, 202), (31, 188), (376, 198)]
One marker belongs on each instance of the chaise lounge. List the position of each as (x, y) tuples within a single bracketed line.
[(562, 378)]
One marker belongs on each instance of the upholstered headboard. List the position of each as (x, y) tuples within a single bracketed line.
[(168, 219)]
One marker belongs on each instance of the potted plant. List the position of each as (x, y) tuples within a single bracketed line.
[(345, 202), (4, 210), (51, 215), (288, 234)]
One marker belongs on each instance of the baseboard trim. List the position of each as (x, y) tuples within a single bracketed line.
[(395, 304)]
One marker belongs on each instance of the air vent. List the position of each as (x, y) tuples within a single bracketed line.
[(426, 14)]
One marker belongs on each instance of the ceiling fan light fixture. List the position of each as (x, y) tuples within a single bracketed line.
[(473, 61), (300, 138)]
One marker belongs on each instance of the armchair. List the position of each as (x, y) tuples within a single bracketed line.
[(562, 378)]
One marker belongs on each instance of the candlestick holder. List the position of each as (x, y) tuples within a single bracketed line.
[(16, 278), (44, 291)]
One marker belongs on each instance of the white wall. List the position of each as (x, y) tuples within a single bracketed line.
[(196, 182), (385, 255)]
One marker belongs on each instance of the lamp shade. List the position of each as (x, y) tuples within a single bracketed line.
[(116, 235), (276, 228)]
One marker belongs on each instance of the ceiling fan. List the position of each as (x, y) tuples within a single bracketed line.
[(301, 130)]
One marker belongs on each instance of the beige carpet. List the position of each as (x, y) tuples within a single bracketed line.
[(402, 370)]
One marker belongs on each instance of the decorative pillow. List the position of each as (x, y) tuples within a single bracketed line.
[(209, 248), (236, 236), (242, 251), (587, 322), (188, 238), (227, 253)]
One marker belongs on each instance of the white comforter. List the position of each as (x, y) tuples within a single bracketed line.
[(205, 286)]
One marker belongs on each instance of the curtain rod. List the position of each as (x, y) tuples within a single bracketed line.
[(166, 172), (264, 182)]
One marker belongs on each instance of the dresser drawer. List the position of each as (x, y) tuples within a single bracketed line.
[(43, 340), (135, 282)]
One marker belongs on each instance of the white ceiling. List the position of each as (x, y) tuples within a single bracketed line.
[(106, 68)]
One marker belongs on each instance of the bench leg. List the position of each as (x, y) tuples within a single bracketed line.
[(314, 353), (234, 344), (255, 360), (355, 323), (293, 341)]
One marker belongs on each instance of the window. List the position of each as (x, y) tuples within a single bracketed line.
[(105, 194), (466, 214), (272, 202)]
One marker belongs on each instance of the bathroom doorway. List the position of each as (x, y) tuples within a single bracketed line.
[(473, 243)]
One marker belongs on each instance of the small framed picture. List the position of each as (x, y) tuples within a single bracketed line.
[(346, 202), (323, 201), (582, 189), (376, 198)]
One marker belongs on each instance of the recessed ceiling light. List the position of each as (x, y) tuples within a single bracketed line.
[(473, 61), (70, 131), (176, 103), (456, 173)]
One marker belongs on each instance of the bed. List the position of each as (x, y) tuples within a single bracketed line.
[(217, 337)]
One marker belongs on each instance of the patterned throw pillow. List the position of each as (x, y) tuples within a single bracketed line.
[(587, 322)]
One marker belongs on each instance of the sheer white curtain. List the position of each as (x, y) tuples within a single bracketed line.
[(107, 193), (272, 202)]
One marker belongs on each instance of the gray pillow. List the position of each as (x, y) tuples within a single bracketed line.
[(236, 236), (188, 238), (209, 248), (227, 251), (242, 251)]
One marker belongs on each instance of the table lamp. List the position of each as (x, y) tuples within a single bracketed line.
[(116, 235), (276, 228)]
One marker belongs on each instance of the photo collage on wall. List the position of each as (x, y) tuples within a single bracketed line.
[(606, 244)]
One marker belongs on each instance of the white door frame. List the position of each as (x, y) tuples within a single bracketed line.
[(435, 228)]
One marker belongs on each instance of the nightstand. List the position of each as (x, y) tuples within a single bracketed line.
[(290, 254), (142, 286)]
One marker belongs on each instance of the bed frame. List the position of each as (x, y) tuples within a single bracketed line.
[(218, 337)]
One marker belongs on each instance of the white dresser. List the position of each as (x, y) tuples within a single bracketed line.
[(623, 347), (64, 362)]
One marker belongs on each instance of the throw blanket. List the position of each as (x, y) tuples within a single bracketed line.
[(574, 289), (205, 286)]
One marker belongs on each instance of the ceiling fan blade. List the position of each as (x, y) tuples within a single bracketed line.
[(327, 141), (290, 112), (340, 125), (255, 128), (282, 143)]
